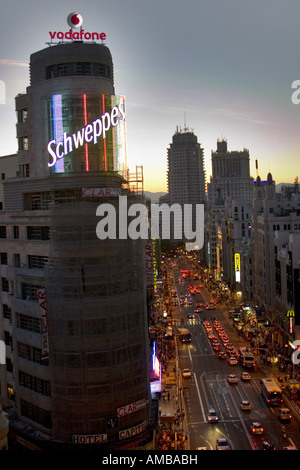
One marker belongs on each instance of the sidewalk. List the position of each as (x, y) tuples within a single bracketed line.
[(173, 426)]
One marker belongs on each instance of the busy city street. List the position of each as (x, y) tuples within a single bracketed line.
[(221, 400)]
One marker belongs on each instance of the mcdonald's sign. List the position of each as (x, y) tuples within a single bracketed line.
[(290, 313)]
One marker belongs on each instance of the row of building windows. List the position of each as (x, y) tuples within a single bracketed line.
[(31, 353), (34, 261), (28, 291), (78, 68), (37, 414), (97, 359), (34, 383), (35, 232)]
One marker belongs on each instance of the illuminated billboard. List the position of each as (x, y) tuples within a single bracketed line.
[(86, 132), (237, 267)]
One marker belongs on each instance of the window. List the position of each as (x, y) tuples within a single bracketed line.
[(24, 170), (37, 262), (39, 201), (6, 312), (22, 115), (2, 231), (38, 233), (35, 413), (77, 68), (17, 260), (23, 143), (3, 258), (34, 383), (29, 323), (29, 292), (4, 284), (16, 232)]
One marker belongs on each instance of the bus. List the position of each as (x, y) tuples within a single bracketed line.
[(271, 391), (184, 335), (246, 357)]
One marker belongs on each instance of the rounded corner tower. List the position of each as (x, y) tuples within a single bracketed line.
[(94, 341)]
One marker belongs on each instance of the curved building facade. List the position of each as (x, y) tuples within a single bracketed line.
[(78, 315)]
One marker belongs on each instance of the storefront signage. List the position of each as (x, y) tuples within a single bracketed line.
[(154, 263), (237, 267), (149, 265), (126, 433), (100, 192), (89, 438), (131, 408), (45, 338)]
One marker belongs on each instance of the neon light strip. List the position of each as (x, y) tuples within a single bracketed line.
[(104, 140), (58, 128), (87, 168)]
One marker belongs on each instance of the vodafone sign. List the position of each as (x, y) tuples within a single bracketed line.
[(75, 21)]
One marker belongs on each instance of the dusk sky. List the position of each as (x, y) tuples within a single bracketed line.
[(225, 67)]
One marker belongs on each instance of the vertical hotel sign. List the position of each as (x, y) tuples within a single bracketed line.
[(45, 338), (237, 267)]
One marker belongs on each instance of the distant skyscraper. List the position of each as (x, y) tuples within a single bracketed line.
[(186, 173), (230, 175)]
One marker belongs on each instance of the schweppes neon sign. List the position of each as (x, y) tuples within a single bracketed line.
[(89, 133)]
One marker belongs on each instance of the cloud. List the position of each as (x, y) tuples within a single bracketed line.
[(17, 63), (238, 116)]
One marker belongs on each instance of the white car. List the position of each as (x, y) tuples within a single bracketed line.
[(222, 444), (232, 379), (212, 416), (245, 376), (245, 405), (232, 361), (186, 374)]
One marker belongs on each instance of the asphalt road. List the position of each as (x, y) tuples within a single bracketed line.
[(209, 387)]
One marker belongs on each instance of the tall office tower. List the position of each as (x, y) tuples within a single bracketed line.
[(73, 305), (230, 175), (186, 173)]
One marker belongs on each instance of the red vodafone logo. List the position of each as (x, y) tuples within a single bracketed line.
[(75, 20)]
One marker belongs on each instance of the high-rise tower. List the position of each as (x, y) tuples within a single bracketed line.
[(73, 306), (186, 173)]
